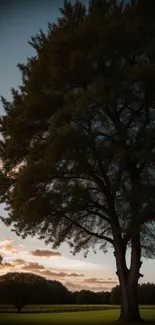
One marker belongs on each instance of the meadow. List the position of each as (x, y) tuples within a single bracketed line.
[(86, 317), (55, 308), (63, 308)]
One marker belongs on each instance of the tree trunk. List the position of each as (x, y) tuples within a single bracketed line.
[(128, 279), (129, 303)]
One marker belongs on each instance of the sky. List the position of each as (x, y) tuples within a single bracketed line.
[(19, 20)]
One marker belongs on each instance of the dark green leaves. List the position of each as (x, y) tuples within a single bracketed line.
[(78, 138)]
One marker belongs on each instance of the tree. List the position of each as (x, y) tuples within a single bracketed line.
[(78, 138), (21, 289), (1, 260), (59, 294), (86, 297), (115, 297), (146, 294)]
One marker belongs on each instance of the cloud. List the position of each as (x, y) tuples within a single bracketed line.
[(19, 261), (8, 239), (100, 281), (22, 246), (76, 274), (92, 284), (48, 273), (44, 253), (77, 287), (33, 266), (76, 265), (6, 246), (6, 265)]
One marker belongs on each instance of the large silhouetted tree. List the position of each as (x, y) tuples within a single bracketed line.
[(20, 289), (78, 138)]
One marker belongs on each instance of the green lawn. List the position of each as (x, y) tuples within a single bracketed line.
[(93, 317), (44, 308), (55, 308)]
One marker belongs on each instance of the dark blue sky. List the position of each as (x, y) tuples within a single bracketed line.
[(19, 20)]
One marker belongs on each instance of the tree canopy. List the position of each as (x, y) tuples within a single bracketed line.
[(146, 294), (78, 147), (21, 289)]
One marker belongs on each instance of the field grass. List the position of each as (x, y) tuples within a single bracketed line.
[(93, 317), (63, 308), (54, 308)]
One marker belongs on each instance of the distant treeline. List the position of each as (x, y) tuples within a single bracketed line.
[(20, 289), (146, 294)]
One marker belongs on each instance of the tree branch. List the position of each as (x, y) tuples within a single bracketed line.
[(134, 114), (150, 147), (99, 206), (100, 215), (126, 239), (117, 182), (91, 233), (146, 122), (105, 177), (123, 108), (65, 176)]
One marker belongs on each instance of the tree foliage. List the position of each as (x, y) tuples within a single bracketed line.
[(84, 297), (78, 137), (1, 260), (146, 293), (19, 289)]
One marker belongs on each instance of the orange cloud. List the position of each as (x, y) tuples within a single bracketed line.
[(53, 274), (44, 253), (77, 287), (100, 281), (19, 261), (33, 266), (76, 274), (6, 246), (6, 265)]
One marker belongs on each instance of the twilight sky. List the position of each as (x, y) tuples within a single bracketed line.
[(19, 20)]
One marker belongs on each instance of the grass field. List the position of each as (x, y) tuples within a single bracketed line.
[(55, 308), (93, 317), (63, 308)]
